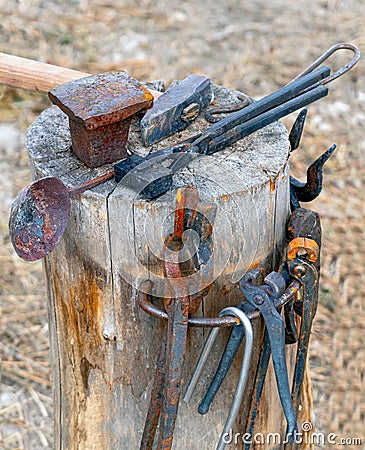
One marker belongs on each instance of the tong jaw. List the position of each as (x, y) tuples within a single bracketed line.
[(262, 298)]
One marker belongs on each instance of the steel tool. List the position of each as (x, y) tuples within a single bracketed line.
[(276, 290), (245, 366), (262, 297), (310, 190), (181, 300), (176, 108), (304, 270), (304, 238), (306, 88)]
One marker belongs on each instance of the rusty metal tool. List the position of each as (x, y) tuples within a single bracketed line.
[(303, 237), (302, 259), (310, 190), (245, 366), (181, 300), (100, 109), (176, 108), (39, 215), (157, 392)]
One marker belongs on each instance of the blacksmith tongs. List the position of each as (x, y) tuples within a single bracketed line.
[(151, 179)]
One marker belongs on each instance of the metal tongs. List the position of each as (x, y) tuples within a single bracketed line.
[(152, 180)]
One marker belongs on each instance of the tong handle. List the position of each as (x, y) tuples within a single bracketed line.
[(270, 116), (278, 97)]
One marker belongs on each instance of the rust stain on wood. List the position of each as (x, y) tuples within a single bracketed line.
[(254, 266), (272, 184), (80, 305)]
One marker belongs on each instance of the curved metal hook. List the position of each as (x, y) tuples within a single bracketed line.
[(306, 192), (326, 55), (246, 361)]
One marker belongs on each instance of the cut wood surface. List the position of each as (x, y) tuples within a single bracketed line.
[(104, 348)]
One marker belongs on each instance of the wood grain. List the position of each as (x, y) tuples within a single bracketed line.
[(36, 76)]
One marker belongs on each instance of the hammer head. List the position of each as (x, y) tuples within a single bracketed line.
[(176, 108), (100, 109)]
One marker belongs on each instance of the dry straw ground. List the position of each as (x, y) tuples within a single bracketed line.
[(254, 46)]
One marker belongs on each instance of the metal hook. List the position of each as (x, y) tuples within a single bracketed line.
[(246, 361), (326, 55), (306, 192)]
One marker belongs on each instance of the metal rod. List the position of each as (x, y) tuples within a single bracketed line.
[(211, 322), (91, 183), (245, 366), (326, 55), (201, 363)]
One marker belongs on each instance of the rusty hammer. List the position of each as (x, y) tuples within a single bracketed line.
[(99, 107)]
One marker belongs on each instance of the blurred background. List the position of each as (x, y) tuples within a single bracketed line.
[(252, 46)]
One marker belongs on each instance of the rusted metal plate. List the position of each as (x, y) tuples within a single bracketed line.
[(38, 218), (102, 99)]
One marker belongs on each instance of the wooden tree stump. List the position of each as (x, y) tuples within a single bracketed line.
[(104, 348)]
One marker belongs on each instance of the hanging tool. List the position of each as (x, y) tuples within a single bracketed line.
[(304, 238), (262, 297), (306, 192), (245, 366), (182, 298)]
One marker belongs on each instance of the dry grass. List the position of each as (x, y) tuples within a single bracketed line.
[(252, 46)]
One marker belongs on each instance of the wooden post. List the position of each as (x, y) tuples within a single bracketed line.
[(104, 348)]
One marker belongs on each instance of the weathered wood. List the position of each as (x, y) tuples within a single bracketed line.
[(104, 348)]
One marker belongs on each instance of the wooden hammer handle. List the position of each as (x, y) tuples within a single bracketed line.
[(35, 76)]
